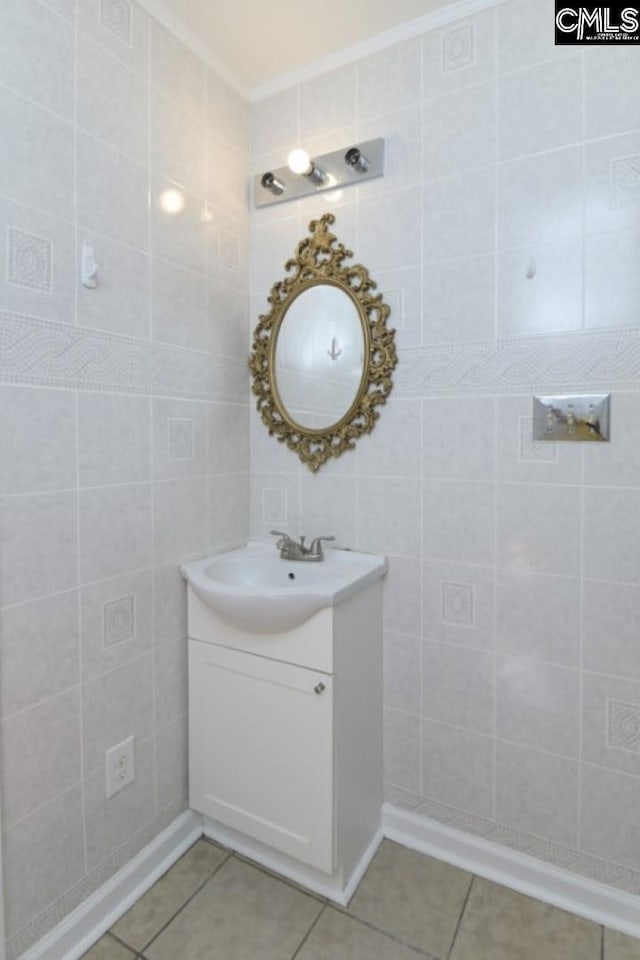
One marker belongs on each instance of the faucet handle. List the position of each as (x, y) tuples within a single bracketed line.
[(316, 546), (284, 538)]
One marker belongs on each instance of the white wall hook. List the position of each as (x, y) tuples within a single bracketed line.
[(89, 269), (531, 269)]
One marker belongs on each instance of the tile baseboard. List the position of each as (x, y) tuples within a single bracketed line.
[(77, 932), (511, 868)]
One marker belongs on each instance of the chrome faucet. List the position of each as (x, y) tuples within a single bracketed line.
[(294, 550)]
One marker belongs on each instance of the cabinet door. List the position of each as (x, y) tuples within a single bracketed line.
[(261, 750)]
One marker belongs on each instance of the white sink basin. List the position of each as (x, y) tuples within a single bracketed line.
[(254, 589)]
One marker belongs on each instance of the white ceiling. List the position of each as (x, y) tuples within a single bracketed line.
[(256, 42)]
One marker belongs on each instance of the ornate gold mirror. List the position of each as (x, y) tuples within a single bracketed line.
[(322, 357)]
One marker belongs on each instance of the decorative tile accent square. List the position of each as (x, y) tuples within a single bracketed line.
[(624, 179), (180, 437), (119, 620), (29, 260), (623, 725), (457, 48), (116, 16), (457, 603), (229, 251), (274, 506), (533, 451)]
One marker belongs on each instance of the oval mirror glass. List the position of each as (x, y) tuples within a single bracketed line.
[(319, 356)]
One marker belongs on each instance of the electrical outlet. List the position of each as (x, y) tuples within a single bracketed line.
[(120, 768)]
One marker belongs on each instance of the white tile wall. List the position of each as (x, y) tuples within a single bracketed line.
[(179, 306), (131, 46), (49, 837), (402, 657), (39, 649), (113, 103), (115, 705), (111, 822), (177, 145), (36, 55), (38, 178), (120, 302), (40, 754), (117, 622), (538, 616), (461, 131), (37, 258), (537, 792), (457, 767), (97, 504), (512, 600), (458, 686), (612, 836), (540, 108), (538, 704), (104, 420)]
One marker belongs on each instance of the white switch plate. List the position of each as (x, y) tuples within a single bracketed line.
[(120, 768)]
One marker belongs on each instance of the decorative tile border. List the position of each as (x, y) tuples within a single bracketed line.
[(602, 871), (559, 362), (56, 354), (20, 942)]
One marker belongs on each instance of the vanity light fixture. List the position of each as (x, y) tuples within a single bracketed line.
[(304, 176), (272, 184)]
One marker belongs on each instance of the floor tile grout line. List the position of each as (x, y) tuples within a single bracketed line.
[(241, 858), (385, 933), (460, 918), (123, 943), (308, 933), (181, 908)]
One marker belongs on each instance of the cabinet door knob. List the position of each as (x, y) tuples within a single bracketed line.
[(319, 688)]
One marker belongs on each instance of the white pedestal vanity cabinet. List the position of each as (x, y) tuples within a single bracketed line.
[(285, 734)]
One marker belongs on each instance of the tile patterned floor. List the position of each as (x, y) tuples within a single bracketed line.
[(215, 905)]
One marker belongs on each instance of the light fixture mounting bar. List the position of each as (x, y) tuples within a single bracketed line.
[(338, 173)]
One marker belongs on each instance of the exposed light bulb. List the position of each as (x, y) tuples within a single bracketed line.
[(299, 161)]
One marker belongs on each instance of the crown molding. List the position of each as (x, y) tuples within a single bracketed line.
[(441, 17), (158, 10)]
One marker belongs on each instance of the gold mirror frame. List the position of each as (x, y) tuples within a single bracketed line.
[(319, 259)]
